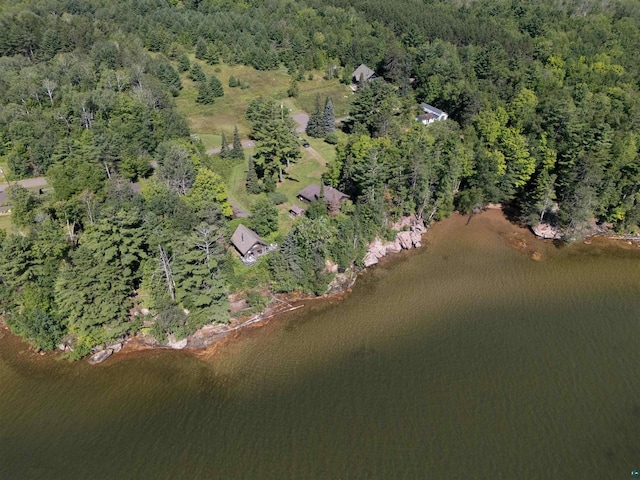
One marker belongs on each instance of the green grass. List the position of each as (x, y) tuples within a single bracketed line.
[(5, 223), (211, 140), (209, 121)]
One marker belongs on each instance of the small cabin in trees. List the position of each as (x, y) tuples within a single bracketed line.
[(313, 192), (249, 245), (363, 73), (431, 114)]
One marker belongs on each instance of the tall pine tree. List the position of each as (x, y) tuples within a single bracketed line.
[(216, 86), (236, 152), (329, 117), (252, 178), (315, 125), (224, 149)]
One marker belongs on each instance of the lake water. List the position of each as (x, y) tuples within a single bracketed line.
[(465, 359)]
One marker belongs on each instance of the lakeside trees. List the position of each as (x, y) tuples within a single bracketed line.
[(544, 113)]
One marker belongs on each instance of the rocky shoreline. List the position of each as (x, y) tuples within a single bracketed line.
[(409, 235)]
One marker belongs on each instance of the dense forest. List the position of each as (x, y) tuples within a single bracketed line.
[(544, 114)]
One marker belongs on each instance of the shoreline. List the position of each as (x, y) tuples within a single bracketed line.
[(210, 339)]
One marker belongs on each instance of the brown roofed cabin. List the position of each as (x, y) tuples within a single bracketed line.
[(249, 245), (312, 192), (363, 72)]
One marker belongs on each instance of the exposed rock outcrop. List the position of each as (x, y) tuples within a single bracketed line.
[(405, 240), (544, 230), (409, 237), (100, 356), (393, 247), (176, 344)]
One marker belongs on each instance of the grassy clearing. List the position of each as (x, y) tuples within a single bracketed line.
[(301, 174), (209, 121)]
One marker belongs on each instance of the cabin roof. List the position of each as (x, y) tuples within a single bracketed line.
[(244, 238), (363, 71), (431, 109), (312, 192)]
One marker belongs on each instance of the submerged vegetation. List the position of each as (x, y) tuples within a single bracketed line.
[(543, 107)]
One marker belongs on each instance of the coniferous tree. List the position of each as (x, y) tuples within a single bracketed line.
[(201, 49), (168, 75), (215, 86), (315, 125), (224, 149), (236, 151), (196, 74), (251, 182), (183, 63), (205, 95), (329, 117)]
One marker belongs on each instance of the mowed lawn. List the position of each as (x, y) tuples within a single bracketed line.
[(301, 174), (209, 121)]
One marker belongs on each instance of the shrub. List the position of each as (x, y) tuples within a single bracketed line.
[(277, 198), (331, 138)]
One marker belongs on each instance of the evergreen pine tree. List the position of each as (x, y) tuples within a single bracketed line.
[(224, 149), (216, 86), (233, 81), (251, 182), (236, 152), (183, 63), (168, 75), (213, 56), (51, 43), (315, 125), (196, 74), (205, 95), (201, 49), (329, 117)]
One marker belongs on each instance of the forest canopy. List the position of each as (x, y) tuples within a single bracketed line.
[(543, 106)]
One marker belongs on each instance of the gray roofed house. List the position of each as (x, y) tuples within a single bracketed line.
[(249, 245), (363, 72), (431, 114), (312, 192)]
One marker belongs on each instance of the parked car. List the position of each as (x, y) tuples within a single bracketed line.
[(305, 144)]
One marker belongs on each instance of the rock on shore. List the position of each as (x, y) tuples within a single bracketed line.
[(544, 230), (405, 239), (100, 356)]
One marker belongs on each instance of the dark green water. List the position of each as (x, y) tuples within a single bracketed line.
[(468, 360)]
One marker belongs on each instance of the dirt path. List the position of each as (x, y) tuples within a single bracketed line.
[(27, 183), (301, 119)]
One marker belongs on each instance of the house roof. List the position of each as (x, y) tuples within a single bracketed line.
[(244, 238), (362, 71), (425, 117), (312, 192), (431, 109), (296, 209)]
